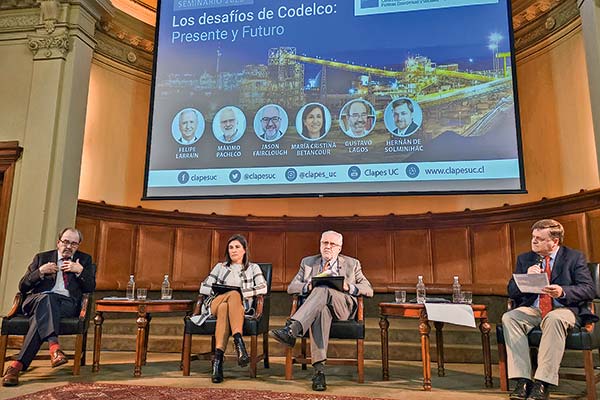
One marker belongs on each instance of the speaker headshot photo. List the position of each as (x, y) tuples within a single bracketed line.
[(187, 126), (229, 124), (357, 118), (270, 123), (403, 117), (313, 121)]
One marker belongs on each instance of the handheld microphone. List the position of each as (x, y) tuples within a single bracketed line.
[(541, 263)]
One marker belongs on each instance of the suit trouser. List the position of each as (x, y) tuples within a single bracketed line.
[(229, 310), (518, 323), (45, 311), (316, 313)]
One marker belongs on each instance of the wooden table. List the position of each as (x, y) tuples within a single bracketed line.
[(143, 309), (408, 310)]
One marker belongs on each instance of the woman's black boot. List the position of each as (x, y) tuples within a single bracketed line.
[(217, 370), (240, 348)]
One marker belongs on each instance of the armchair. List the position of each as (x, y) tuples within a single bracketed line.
[(255, 325), (15, 323)]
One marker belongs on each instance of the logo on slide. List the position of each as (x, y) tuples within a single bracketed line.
[(412, 171), (291, 174), (354, 172), (235, 176), (183, 177)]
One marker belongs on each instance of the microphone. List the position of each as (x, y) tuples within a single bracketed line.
[(541, 262)]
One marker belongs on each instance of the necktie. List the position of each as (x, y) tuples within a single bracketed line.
[(326, 267), (546, 300), (64, 274)]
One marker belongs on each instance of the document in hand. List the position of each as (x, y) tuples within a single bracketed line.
[(220, 289), (334, 282), (531, 283)]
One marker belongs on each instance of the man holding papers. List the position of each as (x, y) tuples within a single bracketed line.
[(323, 303), (560, 305)]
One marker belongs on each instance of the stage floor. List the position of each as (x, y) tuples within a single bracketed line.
[(462, 381)]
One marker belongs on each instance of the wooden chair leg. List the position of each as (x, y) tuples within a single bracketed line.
[(266, 349), (502, 367), (590, 376), (253, 355), (288, 363), (78, 351), (360, 360), (303, 352), (186, 354), (3, 344), (83, 349)]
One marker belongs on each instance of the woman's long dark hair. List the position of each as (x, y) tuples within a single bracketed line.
[(240, 238), (307, 110)]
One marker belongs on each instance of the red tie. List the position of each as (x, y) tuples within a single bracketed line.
[(326, 266), (546, 300), (64, 274)]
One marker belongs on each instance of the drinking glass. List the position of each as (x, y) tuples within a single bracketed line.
[(467, 297), (142, 293), (166, 293), (400, 296)]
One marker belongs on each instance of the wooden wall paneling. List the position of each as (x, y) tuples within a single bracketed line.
[(269, 247), (90, 230), (351, 243), (116, 255), (411, 256), (192, 258), (575, 231), (450, 254), (375, 252), (491, 255), (520, 237), (220, 238), (298, 246), (593, 218), (154, 255)]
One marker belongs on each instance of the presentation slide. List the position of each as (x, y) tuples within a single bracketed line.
[(283, 98)]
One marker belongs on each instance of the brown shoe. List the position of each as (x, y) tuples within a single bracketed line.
[(58, 358), (11, 377)]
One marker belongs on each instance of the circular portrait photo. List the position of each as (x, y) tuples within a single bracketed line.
[(357, 118), (229, 124), (313, 121), (187, 126), (270, 123), (403, 117)]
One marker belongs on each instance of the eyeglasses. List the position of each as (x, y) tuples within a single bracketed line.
[(330, 244), (357, 115), (266, 120), (69, 243)]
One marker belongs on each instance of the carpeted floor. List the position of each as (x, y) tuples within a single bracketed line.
[(126, 392)]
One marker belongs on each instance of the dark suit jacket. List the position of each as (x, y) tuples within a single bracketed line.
[(570, 271), (411, 128), (33, 283)]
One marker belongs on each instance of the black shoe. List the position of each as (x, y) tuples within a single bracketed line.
[(240, 348), (217, 368), (318, 382), (539, 391), (284, 335), (522, 389)]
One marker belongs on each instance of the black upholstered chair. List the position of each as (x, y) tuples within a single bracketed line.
[(15, 323), (255, 325), (353, 329), (584, 338)]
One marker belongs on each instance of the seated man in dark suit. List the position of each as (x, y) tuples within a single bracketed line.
[(323, 304), (53, 287), (561, 305)]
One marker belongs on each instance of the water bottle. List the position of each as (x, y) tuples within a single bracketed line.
[(421, 290), (130, 288), (456, 293), (165, 290)]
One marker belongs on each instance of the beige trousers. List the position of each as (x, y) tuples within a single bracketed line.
[(518, 323), (229, 310)]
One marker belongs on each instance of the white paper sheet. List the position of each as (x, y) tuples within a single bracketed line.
[(531, 283), (458, 314)]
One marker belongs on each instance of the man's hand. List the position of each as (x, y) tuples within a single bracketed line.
[(553, 291), (49, 268), (346, 286), (70, 266), (534, 269)]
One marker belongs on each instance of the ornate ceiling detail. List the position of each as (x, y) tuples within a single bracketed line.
[(126, 35), (48, 46)]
